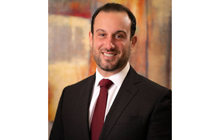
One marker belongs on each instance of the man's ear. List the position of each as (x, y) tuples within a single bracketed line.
[(90, 38), (133, 41)]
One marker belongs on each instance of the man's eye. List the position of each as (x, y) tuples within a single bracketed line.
[(118, 36), (102, 35)]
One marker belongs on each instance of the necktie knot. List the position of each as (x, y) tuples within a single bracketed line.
[(105, 83)]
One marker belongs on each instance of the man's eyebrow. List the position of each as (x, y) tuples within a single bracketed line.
[(120, 32), (100, 30)]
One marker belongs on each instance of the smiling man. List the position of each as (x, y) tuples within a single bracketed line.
[(111, 42), (115, 103)]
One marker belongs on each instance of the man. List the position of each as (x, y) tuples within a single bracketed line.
[(135, 108)]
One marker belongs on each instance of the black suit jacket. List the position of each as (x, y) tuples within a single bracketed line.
[(140, 111)]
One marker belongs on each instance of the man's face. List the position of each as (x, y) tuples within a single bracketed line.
[(110, 42)]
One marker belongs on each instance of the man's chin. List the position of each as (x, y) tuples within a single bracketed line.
[(108, 67)]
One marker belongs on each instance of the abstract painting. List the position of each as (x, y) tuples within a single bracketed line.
[(70, 59)]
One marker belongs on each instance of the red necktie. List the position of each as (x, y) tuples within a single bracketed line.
[(99, 113)]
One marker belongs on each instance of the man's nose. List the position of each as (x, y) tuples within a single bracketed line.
[(110, 43)]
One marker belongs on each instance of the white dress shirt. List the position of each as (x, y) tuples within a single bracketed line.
[(117, 80)]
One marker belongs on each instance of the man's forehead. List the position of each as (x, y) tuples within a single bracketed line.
[(103, 15), (117, 20)]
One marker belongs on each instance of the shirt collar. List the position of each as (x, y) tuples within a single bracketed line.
[(117, 78)]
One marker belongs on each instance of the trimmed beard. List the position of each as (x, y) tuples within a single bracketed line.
[(119, 64)]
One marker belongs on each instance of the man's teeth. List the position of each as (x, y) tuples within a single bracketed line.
[(108, 55)]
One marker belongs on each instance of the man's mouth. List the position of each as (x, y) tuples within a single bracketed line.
[(108, 55)]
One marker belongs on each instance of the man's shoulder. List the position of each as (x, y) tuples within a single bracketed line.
[(149, 88), (150, 82), (145, 82)]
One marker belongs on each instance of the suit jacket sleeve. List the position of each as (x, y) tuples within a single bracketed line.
[(57, 129), (160, 122)]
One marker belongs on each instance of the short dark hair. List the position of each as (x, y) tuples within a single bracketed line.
[(115, 7)]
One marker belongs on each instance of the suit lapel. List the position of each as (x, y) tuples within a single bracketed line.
[(124, 96), (83, 106)]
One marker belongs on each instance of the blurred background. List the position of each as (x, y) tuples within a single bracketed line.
[(70, 59)]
